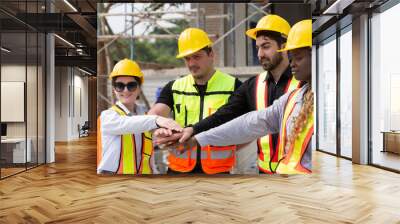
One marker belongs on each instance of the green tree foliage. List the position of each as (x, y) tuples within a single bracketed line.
[(167, 49), (159, 51)]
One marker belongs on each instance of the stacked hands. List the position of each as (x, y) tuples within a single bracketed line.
[(171, 135)]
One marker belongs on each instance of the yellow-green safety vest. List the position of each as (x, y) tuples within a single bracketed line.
[(189, 108)]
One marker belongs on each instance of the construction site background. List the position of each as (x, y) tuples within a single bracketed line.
[(225, 23)]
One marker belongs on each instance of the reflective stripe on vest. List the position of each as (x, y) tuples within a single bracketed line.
[(264, 147), (189, 108), (127, 162), (291, 161)]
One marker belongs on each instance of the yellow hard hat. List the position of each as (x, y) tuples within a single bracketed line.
[(270, 23), (299, 36), (192, 40), (127, 67)]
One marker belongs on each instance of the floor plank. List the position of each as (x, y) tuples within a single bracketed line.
[(69, 191)]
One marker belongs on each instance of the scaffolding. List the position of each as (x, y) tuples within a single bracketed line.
[(197, 16)]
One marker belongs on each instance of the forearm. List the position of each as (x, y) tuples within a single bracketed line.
[(160, 109), (237, 105), (238, 131), (215, 120), (120, 125)]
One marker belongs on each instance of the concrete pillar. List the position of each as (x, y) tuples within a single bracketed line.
[(314, 89), (360, 90), (50, 99)]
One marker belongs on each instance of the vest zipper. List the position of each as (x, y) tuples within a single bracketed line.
[(198, 150), (201, 101), (185, 116), (201, 107)]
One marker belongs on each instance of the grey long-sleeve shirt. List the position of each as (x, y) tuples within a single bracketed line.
[(255, 124)]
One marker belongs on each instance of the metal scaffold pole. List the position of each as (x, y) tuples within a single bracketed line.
[(133, 34)]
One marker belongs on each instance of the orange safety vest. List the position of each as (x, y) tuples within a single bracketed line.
[(127, 159), (189, 108), (265, 149), (290, 162)]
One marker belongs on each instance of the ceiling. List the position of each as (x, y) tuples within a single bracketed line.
[(74, 22), (328, 15)]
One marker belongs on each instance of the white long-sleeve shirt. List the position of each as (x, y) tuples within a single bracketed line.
[(113, 125)]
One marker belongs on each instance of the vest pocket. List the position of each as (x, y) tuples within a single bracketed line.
[(218, 156), (214, 105), (180, 114)]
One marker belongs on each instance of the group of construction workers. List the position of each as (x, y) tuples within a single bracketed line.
[(213, 112)]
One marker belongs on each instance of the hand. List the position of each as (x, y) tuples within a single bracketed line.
[(168, 123), (167, 139), (187, 133), (162, 132)]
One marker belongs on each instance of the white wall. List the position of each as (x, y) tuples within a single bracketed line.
[(14, 73), (33, 126), (71, 94), (80, 98), (61, 103), (82, 82)]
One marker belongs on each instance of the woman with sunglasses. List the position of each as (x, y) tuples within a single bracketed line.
[(124, 143)]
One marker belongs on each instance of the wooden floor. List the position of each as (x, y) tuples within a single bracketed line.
[(10, 171), (69, 191)]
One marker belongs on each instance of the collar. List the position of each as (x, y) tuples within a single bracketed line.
[(123, 107), (286, 75), (302, 90), (212, 78)]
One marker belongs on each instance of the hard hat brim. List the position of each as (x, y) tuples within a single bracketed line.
[(289, 48), (252, 33), (191, 51), (140, 76)]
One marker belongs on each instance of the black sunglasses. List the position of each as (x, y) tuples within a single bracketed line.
[(131, 86)]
